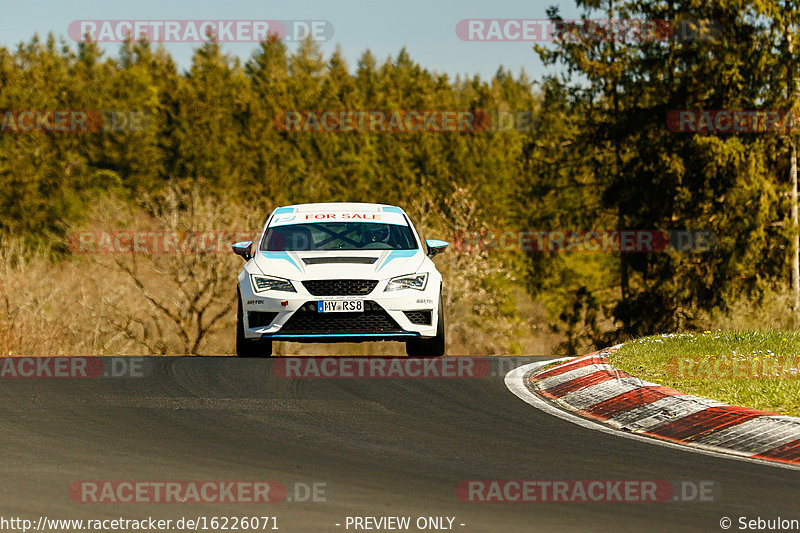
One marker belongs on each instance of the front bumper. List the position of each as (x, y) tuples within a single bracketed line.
[(282, 315)]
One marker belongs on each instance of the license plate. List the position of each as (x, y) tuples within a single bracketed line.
[(340, 306)]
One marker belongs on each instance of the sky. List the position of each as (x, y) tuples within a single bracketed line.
[(427, 28)]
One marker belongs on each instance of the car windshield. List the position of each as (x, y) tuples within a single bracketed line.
[(339, 236)]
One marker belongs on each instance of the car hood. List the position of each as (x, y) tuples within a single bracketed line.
[(339, 264)]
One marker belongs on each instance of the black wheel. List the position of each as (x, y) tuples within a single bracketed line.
[(248, 347), (432, 347)]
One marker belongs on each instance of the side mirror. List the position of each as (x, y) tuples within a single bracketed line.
[(436, 247), (243, 249)]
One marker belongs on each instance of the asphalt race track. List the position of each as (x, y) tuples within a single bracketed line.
[(381, 447)]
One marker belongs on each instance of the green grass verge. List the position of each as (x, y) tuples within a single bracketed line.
[(757, 369)]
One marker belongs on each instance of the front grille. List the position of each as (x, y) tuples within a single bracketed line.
[(340, 287), (421, 318), (374, 319), (258, 319)]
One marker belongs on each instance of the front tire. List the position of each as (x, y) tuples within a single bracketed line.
[(248, 347), (433, 347)]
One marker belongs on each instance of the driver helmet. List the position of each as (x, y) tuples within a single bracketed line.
[(380, 234)]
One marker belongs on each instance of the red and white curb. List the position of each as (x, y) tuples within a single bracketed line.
[(613, 401)]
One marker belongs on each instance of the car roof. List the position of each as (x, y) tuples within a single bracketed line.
[(340, 206)]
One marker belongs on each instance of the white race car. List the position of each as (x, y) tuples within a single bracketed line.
[(333, 272)]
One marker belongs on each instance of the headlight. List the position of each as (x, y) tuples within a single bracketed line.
[(267, 283), (410, 281)]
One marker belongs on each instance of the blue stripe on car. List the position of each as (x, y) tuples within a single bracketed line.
[(281, 255), (282, 210), (391, 209), (398, 254)]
